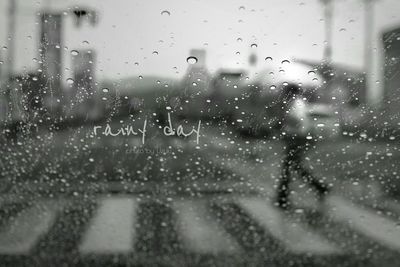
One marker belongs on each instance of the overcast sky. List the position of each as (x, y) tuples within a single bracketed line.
[(130, 30)]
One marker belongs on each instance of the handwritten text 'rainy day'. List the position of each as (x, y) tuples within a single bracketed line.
[(128, 130)]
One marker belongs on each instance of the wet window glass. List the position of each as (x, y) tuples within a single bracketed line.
[(199, 133)]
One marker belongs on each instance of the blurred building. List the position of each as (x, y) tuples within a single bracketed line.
[(81, 91), (83, 74), (391, 46), (197, 77), (51, 30), (200, 55)]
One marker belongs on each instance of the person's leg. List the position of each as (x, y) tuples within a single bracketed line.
[(306, 174), (283, 186)]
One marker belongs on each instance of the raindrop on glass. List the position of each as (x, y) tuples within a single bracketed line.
[(74, 52), (191, 60)]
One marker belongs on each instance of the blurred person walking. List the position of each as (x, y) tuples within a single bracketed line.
[(296, 129)]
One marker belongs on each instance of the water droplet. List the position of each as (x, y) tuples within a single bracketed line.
[(268, 59), (105, 90), (70, 81), (239, 39), (85, 42), (165, 13), (140, 77), (74, 52), (285, 62), (35, 78), (155, 53), (194, 84), (315, 80), (238, 53), (272, 87), (241, 8), (311, 72), (342, 29), (285, 83), (191, 60), (253, 45)]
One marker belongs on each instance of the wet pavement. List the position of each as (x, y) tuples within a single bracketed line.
[(74, 204)]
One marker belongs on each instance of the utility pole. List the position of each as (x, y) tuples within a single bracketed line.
[(12, 7), (369, 22), (9, 63), (328, 15)]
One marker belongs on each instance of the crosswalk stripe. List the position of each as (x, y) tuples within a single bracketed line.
[(201, 233), (378, 228), (296, 237), (112, 230), (21, 236)]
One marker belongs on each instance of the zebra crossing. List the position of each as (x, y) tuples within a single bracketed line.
[(128, 225)]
